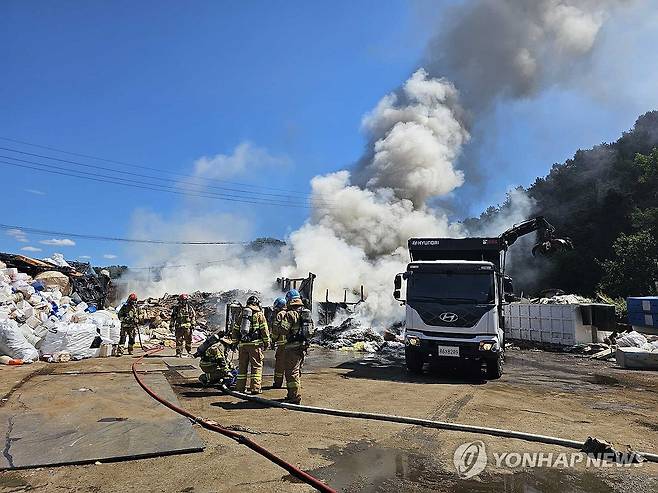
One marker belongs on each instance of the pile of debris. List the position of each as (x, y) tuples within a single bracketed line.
[(210, 310), (76, 277), (43, 316), (635, 339), (562, 299), (351, 335)]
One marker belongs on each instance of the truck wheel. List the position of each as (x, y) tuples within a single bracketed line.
[(414, 360), (495, 367)]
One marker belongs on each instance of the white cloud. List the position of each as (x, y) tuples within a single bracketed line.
[(30, 249), (58, 242), (109, 256), (18, 235), (246, 157), (84, 257), (34, 191)]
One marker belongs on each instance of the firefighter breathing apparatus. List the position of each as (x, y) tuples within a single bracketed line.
[(246, 325)]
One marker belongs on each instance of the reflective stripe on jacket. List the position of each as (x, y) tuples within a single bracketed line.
[(290, 325), (258, 327)]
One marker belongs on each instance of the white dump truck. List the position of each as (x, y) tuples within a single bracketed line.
[(455, 291)]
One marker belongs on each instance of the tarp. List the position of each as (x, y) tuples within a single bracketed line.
[(55, 280)]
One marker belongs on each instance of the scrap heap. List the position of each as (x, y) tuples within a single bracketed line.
[(210, 309), (352, 335), (43, 316), (82, 277)]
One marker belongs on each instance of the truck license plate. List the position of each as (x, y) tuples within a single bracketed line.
[(452, 351)]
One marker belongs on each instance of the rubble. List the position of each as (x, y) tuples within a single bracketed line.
[(563, 299), (82, 278), (351, 335), (588, 349), (210, 309), (39, 320)]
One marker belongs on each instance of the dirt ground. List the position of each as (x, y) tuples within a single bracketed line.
[(545, 393)]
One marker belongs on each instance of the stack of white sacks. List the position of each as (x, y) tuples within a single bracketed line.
[(44, 323)]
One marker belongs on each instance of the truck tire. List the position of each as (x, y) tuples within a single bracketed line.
[(495, 367), (414, 360)]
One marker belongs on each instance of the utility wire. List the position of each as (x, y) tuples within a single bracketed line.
[(160, 188), (122, 163), (288, 197), (198, 264), (201, 192), (45, 232)]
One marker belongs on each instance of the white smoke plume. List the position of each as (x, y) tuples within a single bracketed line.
[(188, 268), (361, 220), (416, 135), (356, 235)]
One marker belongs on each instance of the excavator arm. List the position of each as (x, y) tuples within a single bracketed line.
[(547, 242)]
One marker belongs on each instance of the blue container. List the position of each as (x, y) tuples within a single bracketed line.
[(643, 319), (643, 304), (38, 285)]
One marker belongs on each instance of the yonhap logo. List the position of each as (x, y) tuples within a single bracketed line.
[(470, 459), (448, 317)]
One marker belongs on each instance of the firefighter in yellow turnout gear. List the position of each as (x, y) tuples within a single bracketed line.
[(183, 318), (279, 339), (130, 317), (253, 336), (298, 327)]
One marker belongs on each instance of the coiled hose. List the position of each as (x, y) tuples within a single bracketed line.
[(241, 439), (427, 423)]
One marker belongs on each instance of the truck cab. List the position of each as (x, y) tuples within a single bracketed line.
[(454, 297)]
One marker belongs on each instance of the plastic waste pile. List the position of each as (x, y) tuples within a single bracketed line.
[(351, 335), (563, 299), (38, 319), (635, 339)]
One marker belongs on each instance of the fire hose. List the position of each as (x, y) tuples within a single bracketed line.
[(427, 423), (241, 439)]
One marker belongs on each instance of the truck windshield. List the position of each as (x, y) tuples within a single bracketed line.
[(451, 287)]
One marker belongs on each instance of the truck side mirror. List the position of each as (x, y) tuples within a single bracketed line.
[(508, 286), (398, 284), (396, 294)]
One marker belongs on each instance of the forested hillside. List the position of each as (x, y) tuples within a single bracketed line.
[(606, 200)]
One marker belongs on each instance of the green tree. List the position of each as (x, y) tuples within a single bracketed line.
[(634, 269)]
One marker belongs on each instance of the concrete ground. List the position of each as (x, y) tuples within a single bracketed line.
[(546, 393)]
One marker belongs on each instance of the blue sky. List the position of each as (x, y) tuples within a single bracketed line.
[(162, 84)]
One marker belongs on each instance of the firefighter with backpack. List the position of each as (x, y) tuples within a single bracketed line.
[(216, 362), (252, 335), (183, 318), (298, 327), (278, 341), (130, 317)]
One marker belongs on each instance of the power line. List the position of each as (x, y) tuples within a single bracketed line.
[(45, 232), (132, 165), (198, 264), (135, 184), (139, 175)]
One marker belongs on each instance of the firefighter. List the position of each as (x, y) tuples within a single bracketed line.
[(216, 366), (298, 327), (184, 318), (252, 335), (278, 341), (129, 314)]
